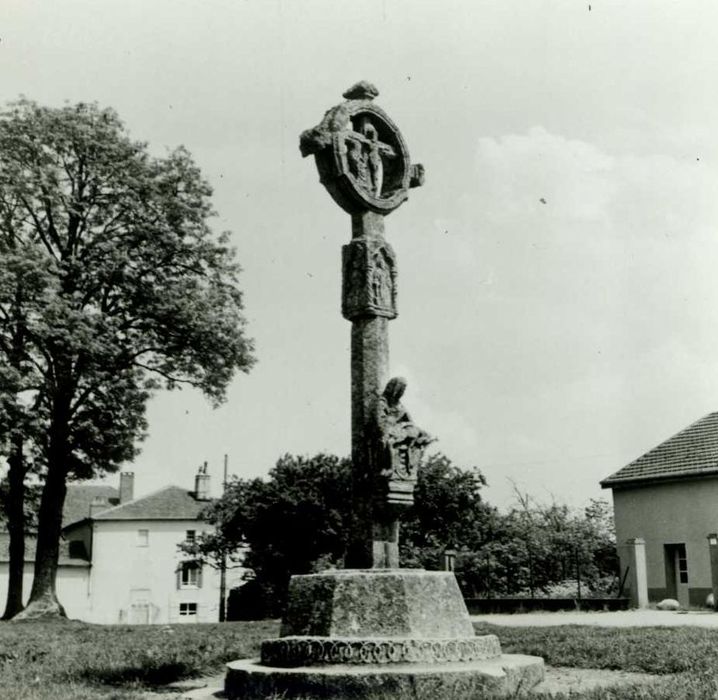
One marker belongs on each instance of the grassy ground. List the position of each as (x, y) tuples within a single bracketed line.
[(75, 661), (688, 654)]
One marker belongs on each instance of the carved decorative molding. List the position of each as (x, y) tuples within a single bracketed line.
[(288, 652)]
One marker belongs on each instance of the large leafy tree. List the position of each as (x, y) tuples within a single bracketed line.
[(24, 277), (294, 522), (138, 293)]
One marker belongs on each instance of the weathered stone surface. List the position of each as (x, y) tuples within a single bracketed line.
[(307, 651), (509, 675), (402, 445), (368, 278), (361, 155), (363, 90), (376, 603), (364, 164)]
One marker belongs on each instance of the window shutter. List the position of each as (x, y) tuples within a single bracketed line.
[(178, 576), (199, 576)]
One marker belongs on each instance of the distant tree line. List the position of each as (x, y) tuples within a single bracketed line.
[(295, 522)]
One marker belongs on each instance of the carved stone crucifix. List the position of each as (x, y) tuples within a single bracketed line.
[(364, 163), (365, 153)]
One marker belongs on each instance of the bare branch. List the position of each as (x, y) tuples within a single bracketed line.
[(167, 375)]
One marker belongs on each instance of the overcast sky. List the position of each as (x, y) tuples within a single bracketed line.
[(557, 272)]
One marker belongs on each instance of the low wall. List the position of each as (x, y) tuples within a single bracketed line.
[(482, 606)]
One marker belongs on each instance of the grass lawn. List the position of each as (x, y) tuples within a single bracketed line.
[(689, 654), (76, 661)]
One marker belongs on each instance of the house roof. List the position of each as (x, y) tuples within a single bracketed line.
[(30, 545), (80, 496), (690, 453), (169, 503)]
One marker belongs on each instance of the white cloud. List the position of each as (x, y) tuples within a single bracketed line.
[(599, 310)]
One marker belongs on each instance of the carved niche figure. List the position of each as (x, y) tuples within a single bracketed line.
[(382, 285), (402, 443), (368, 279)]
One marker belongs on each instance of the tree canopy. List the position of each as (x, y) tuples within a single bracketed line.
[(296, 521), (116, 285)]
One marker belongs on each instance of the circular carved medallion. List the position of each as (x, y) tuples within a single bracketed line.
[(361, 155)]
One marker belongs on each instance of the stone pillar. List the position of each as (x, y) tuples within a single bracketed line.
[(363, 162), (635, 556), (369, 367)]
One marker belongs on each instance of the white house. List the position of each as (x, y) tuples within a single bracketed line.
[(119, 560)]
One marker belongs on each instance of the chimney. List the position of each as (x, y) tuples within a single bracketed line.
[(127, 486), (201, 484), (98, 503)]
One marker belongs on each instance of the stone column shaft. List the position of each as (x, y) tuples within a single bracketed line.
[(369, 367)]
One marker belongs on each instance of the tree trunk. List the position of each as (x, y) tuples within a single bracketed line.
[(15, 506), (43, 601), (15, 509)]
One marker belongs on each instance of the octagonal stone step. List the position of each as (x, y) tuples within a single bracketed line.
[(376, 603)]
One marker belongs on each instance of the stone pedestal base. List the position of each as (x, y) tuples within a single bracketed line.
[(508, 674), (365, 603), (399, 633)]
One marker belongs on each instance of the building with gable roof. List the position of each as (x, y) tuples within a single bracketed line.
[(120, 562), (668, 498)]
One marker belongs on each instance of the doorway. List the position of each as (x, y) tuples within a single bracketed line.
[(139, 606), (677, 572)]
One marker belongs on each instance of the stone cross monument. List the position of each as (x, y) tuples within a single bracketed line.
[(372, 628), (364, 163)]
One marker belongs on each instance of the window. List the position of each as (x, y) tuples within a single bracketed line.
[(143, 538), (188, 609), (190, 575), (190, 536), (682, 562), (76, 549)]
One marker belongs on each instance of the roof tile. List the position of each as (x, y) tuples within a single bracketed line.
[(80, 496), (691, 452), (169, 503)]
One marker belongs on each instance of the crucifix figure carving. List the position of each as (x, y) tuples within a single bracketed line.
[(364, 164), (365, 154)]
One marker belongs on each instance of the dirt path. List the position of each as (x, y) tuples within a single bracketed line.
[(566, 680), (623, 618), (210, 688)]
